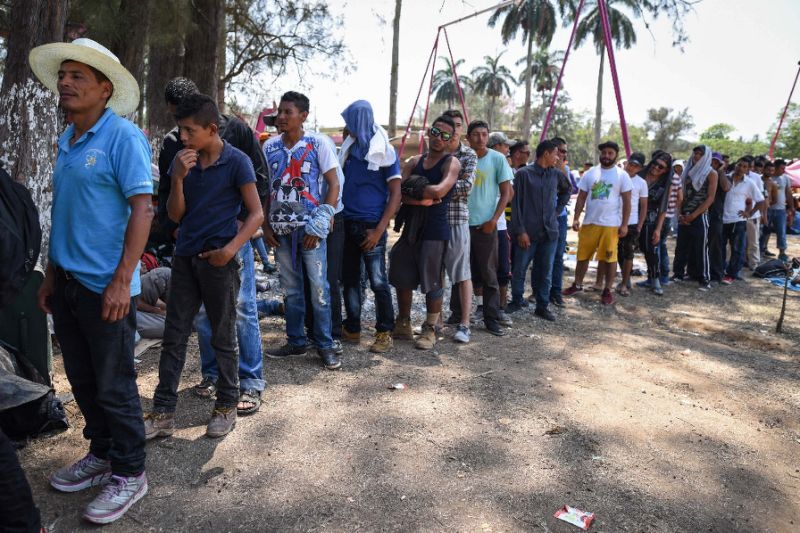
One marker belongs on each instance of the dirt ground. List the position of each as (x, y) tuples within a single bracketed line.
[(658, 414)]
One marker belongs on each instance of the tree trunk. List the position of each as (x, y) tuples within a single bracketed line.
[(395, 69), (164, 62), (491, 111), (525, 130), (201, 62), (130, 40), (222, 36), (29, 110), (598, 112)]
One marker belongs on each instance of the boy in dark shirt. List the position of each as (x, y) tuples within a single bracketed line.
[(210, 179)]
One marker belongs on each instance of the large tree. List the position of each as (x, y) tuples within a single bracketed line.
[(545, 67), (201, 60), (493, 80), (668, 126), (398, 4), (444, 83), (788, 143), (28, 111), (536, 21)]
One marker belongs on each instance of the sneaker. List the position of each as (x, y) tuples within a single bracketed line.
[(402, 329), (557, 300), (513, 307), (383, 342), (158, 425), (704, 287), (90, 471), (545, 314), (116, 498), (727, 280), (330, 359), (657, 290), (205, 389), (462, 334), (495, 329), (572, 289), (607, 298), (338, 349), (646, 284), (783, 257), (351, 337), (768, 253), (503, 319), (427, 339), (676, 278), (664, 281), (223, 420), (286, 350), (479, 311)]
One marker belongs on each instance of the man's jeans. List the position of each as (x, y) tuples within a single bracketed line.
[(541, 253), (194, 282), (98, 361), (293, 263), (251, 358), (335, 246), (662, 247), (557, 282), (261, 249), (375, 266), (777, 224), (734, 234)]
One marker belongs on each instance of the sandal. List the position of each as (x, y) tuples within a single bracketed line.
[(622, 290), (251, 397), (205, 389)]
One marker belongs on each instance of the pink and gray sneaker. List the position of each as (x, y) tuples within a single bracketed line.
[(90, 471), (116, 498)]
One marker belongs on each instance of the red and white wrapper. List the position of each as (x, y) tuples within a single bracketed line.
[(576, 517)]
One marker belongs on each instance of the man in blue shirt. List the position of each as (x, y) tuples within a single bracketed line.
[(102, 210), (371, 197)]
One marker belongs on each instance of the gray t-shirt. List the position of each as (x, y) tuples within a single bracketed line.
[(780, 182), (155, 285)]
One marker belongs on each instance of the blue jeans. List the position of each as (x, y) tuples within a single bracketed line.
[(777, 223), (261, 249), (374, 263), (558, 258), (251, 360), (293, 262), (268, 307), (98, 361), (734, 234), (541, 253), (662, 247)]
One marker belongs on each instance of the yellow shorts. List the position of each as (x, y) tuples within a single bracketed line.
[(600, 239)]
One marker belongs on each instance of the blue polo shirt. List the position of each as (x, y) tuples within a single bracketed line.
[(213, 201), (92, 182)]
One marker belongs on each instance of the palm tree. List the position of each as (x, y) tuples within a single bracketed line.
[(622, 34), (395, 69), (544, 70), (536, 19), (444, 83), (493, 80)]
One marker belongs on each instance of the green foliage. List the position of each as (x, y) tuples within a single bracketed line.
[(531, 18), (444, 86), (717, 137), (667, 126), (788, 143), (493, 80)]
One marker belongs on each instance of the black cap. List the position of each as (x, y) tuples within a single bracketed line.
[(609, 144), (637, 157)]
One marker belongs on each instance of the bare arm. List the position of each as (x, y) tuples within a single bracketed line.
[(440, 190), (642, 212), (506, 194), (724, 182), (579, 205), (117, 295), (332, 180), (626, 213), (392, 205), (255, 217)]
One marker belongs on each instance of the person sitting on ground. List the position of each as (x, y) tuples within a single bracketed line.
[(371, 197), (603, 189), (625, 249), (151, 304), (417, 258), (210, 181), (743, 199)]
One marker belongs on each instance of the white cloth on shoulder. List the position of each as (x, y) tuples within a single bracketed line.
[(381, 152)]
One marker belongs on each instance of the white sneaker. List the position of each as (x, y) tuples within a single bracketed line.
[(462, 334), (90, 471), (116, 498)]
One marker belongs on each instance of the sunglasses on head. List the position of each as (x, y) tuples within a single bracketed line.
[(443, 135)]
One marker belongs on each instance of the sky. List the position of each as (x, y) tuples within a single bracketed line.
[(737, 67)]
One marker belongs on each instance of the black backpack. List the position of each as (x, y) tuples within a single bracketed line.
[(20, 237), (771, 269)]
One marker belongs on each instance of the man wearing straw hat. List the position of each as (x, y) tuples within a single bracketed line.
[(100, 222)]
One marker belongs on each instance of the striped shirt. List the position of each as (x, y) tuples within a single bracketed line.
[(672, 203), (457, 210)]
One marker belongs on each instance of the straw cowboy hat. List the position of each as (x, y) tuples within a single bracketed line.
[(46, 60)]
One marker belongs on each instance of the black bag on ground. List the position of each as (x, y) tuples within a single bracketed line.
[(770, 269), (20, 237)]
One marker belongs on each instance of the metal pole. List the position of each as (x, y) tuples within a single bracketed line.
[(481, 12), (780, 123)]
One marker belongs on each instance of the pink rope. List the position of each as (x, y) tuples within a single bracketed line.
[(547, 120), (430, 90), (455, 75), (783, 116), (612, 63), (416, 102)]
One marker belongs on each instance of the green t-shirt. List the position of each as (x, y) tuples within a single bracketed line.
[(492, 170)]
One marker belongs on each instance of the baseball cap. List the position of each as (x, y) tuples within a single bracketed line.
[(609, 144), (717, 156), (497, 137), (637, 158)]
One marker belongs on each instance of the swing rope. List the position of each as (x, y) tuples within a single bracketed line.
[(455, 75), (550, 111), (613, 64), (430, 91), (783, 115), (416, 102)]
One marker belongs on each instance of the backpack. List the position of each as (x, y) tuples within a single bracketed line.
[(20, 237), (770, 269)]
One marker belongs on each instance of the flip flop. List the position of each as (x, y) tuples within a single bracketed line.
[(622, 291), (249, 396)]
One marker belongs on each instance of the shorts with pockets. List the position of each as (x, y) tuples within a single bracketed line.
[(601, 239), (417, 265)]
